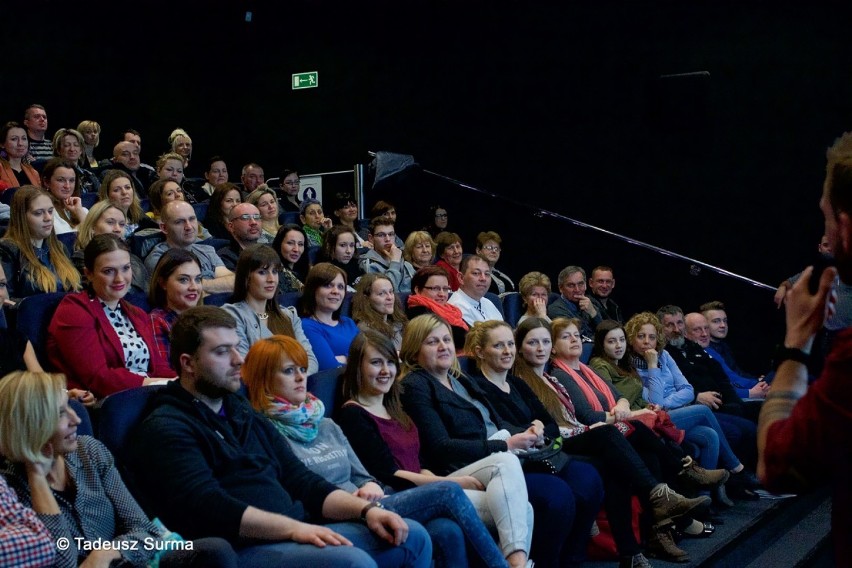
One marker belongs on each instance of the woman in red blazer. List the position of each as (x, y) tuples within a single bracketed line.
[(100, 341)]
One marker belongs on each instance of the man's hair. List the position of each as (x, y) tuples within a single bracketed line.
[(714, 305), (568, 271), (382, 221), (668, 310), (465, 261), (602, 269), (247, 166), (168, 208), (188, 327), (129, 131), (32, 106)]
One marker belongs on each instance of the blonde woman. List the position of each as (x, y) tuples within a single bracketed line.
[(71, 481), (264, 199)]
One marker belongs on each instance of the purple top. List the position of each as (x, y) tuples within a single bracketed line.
[(404, 445)]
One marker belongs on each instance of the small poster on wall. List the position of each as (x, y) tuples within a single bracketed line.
[(310, 188)]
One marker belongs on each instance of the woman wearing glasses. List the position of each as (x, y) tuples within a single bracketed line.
[(488, 246), (290, 186), (430, 291)]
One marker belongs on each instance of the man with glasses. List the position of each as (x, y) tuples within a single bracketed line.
[(244, 226), (575, 304), (385, 257), (470, 297)]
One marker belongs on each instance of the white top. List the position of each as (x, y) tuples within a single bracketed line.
[(473, 311)]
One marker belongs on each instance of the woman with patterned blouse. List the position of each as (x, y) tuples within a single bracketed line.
[(100, 341)]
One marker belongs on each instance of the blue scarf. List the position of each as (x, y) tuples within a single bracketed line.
[(298, 422)]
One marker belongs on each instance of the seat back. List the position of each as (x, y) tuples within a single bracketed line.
[(215, 243), (289, 218), (84, 428), (200, 210), (326, 386), (89, 199), (495, 299), (34, 315), (7, 195), (218, 299), (513, 307), (139, 299), (68, 239), (289, 299), (119, 414)]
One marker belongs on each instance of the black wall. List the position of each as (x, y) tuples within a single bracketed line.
[(556, 107)]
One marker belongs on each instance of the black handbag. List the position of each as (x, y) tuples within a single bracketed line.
[(549, 459)]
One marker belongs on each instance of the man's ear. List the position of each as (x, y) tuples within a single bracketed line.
[(187, 363)]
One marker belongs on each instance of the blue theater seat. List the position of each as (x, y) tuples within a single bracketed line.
[(218, 299), (326, 386), (495, 299), (34, 315), (513, 307)]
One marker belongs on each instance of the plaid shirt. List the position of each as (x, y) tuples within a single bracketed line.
[(161, 322), (24, 540)]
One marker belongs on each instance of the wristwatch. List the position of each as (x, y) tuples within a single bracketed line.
[(368, 506), (783, 353)]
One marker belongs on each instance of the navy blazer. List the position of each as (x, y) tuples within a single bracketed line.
[(452, 430)]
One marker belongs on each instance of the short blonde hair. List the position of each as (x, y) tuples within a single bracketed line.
[(29, 413), (531, 280), (412, 341), (415, 238)]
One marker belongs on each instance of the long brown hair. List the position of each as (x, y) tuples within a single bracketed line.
[(20, 234), (363, 311), (523, 371), (353, 382), (134, 213), (257, 257)]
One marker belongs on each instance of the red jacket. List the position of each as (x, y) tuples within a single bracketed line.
[(83, 344)]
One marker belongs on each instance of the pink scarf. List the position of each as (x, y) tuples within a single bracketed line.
[(592, 377)]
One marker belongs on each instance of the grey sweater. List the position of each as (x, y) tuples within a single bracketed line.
[(249, 330), (331, 457)]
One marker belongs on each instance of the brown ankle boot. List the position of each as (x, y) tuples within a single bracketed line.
[(661, 545), (667, 504), (700, 477)]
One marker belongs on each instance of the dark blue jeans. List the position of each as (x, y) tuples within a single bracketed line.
[(446, 512), (565, 507)]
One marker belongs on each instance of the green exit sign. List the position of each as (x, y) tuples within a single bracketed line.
[(305, 80)]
